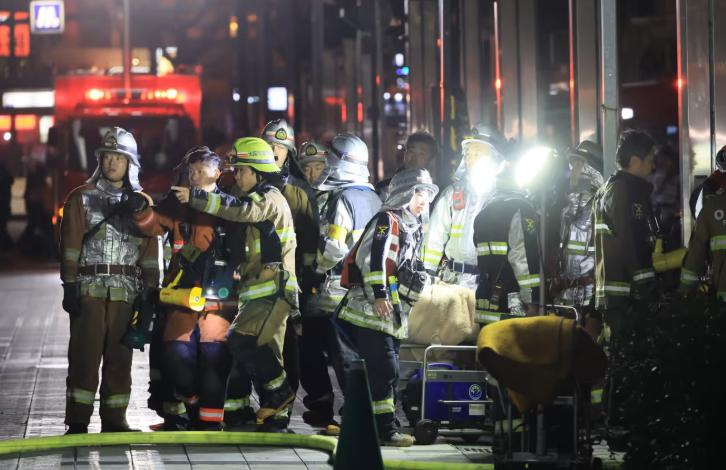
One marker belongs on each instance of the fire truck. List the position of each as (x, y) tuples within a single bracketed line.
[(162, 112)]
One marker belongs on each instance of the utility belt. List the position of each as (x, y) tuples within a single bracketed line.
[(463, 268), (109, 269)]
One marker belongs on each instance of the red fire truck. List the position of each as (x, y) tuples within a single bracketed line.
[(162, 112)]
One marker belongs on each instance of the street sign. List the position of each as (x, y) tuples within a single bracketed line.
[(47, 17)]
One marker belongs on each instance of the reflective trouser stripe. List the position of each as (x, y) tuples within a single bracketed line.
[(532, 280), (688, 277), (487, 316), (80, 395), (258, 291), (613, 288), (211, 414), (596, 396), (276, 382), (71, 254), (383, 406), (234, 404), (643, 275), (115, 401), (175, 408)]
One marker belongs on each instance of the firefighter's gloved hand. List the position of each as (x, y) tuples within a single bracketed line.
[(133, 201), (135, 338), (71, 299), (295, 321)]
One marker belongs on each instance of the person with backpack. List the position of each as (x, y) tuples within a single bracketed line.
[(346, 203), (196, 361), (386, 277)]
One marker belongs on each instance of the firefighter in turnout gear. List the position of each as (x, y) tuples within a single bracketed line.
[(450, 230), (575, 284), (300, 197), (268, 290), (625, 234), (386, 278), (205, 252), (346, 204), (707, 249), (506, 236), (318, 343), (106, 262)]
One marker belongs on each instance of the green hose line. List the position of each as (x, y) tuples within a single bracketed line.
[(35, 444), (434, 465), (322, 443)]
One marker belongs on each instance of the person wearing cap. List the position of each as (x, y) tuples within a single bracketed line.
[(346, 203), (449, 251), (267, 290), (196, 360), (386, 278), (575, 281), (106, 263)]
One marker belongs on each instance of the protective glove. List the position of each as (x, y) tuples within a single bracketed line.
[(294, 320), (133, 201), (71, 299)]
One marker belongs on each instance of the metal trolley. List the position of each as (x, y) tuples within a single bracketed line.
[(453, 401)]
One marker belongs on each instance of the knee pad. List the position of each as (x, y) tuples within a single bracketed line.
[(215, 356), (241, 346), (180, 366)]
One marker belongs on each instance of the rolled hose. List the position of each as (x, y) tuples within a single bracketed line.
[(323, 443)]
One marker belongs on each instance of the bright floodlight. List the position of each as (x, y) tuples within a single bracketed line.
[(530, 164), (483, 175), (627, 113)]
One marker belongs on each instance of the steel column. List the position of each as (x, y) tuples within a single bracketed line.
[(583, 71), (609, 86)]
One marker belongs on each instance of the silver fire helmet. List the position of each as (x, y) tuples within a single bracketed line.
[(120, 141), (278, 131), (312, 151), (404, 185), (347, 163)]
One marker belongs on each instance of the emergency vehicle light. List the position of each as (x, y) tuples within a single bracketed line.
[(167, 94)]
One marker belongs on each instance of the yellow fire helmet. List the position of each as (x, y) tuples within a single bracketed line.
[(255, 153)]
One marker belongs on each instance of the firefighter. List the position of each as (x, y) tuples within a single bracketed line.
[(625, 234), (346, 203), (506, 236), (106, 263), (707, 249), (204, 254), (575, 284), (301, 198), (318, 343), (420, 151), (714, 184), (268, 290), (386, 278), (449, 237)]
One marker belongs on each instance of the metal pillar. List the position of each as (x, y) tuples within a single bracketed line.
[(518, 65), (609, 89), (423, 32), (701, 105), (126, 51), (317, 40), (377, 95), (471, 70), (583, 71)]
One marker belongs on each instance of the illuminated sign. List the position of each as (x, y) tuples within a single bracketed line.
[(277, 98), (47, 17), (29, 99)]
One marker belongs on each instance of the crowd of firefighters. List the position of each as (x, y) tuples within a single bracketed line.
[(299, 263)]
